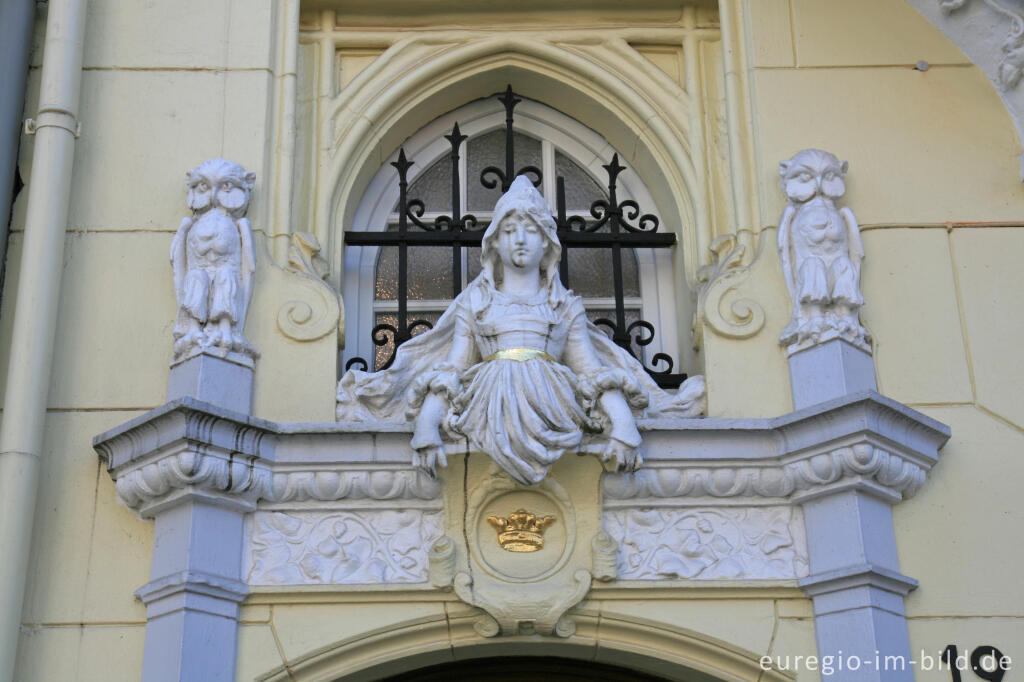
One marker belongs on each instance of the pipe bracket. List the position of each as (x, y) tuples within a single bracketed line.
[(54, 117)]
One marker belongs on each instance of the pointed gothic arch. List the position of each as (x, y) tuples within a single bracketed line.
[(415, 81)]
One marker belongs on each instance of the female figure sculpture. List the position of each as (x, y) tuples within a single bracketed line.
[(513, 364)]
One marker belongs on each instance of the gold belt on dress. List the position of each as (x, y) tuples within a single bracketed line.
[(519, 354)]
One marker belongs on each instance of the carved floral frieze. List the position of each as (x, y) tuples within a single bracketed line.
[(707, 544), (341, 547)]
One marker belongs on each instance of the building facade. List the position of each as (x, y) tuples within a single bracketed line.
[(210, 517)]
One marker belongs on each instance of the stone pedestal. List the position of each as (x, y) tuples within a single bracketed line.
[(221, 381), (829, 370)]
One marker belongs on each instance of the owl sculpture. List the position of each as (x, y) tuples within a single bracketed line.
[(213, 262), (821, 253)]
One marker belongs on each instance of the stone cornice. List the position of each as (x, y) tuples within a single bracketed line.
[(863, 440), (191, 449), (188, 447)]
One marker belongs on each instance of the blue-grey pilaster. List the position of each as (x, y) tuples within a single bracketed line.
[(195, 469), (854, 582)]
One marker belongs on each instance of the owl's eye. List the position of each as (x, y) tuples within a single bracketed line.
[(804, 177), (831, 175), (203, 187)]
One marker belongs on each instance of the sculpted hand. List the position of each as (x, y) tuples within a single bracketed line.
[(428, 448), (625, 456), (427, 459)]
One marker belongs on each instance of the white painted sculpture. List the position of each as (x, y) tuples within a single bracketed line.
[(213, 261), (821, 253), (514, 366)]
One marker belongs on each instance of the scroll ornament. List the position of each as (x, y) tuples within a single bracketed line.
[(740, 318), (318, 311)]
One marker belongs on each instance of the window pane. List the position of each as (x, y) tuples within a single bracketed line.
[(472, 262), (489, 150), (591, 276), (581, 190), (433, 187), (430, 273), (382, 353)]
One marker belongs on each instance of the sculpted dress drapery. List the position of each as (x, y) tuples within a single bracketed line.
[(522, 375)]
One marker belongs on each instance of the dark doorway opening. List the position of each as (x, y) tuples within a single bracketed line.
[(524, 669)]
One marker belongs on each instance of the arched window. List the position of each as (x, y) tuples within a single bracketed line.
[(544, 138)]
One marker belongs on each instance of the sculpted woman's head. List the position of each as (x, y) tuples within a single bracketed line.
[(522, 234)]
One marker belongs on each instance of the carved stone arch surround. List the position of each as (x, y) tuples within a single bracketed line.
[(989, 33), (646, 646), (606, 86)]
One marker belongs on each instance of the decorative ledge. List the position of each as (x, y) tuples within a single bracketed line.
[(865, 441)]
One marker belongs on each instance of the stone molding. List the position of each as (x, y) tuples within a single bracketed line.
[(863, 440), (189, 447), (330, 484), (858, 576), (186, 447), (209, 593), (861, 464), (854, 587), (647, 644)]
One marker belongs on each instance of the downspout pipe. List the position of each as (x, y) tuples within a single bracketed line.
[(16, 19), (35, 314)]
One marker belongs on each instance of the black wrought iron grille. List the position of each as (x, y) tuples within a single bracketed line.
[(627, 228)]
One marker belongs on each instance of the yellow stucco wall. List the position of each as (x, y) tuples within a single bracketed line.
[(933, 181)]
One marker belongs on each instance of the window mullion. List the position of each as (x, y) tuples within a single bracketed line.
[(464, 208), (547, 160)]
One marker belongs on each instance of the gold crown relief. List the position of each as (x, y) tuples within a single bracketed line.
[(521, 531)]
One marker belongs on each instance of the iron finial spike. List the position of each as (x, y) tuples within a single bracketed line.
[(613, 168), (456, 138), (403, 164), (509, 99)]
